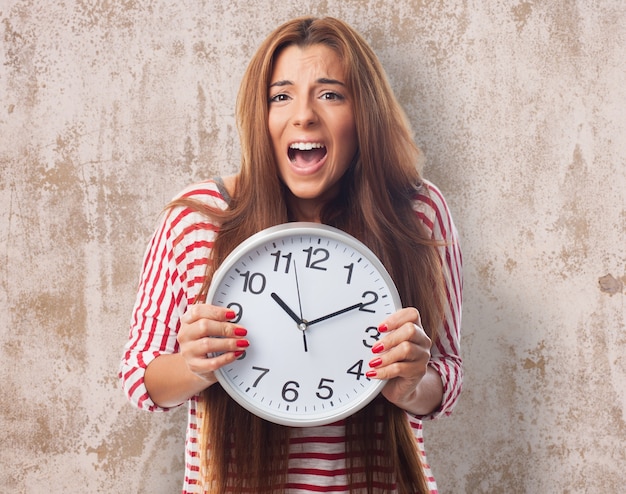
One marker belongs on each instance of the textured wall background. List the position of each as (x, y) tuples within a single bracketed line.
[(108, 108)]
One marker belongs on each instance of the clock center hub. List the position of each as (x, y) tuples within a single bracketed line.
[(303, 325)]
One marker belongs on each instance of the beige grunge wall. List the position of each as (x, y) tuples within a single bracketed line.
[(108, 108)]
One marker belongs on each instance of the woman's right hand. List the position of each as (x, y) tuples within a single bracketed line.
[(206, 329)]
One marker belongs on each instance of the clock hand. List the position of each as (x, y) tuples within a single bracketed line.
[(286, 308), (328, 316), (302, 325)]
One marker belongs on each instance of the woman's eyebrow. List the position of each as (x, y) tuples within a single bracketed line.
[(281, 83), (321, 80), (326, 80)]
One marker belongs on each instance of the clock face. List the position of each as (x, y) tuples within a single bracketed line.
[(311, 298)]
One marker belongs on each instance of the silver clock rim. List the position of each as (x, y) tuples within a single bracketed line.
[(272, 233)]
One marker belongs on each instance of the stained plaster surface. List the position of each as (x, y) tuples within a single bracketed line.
[(108, 108)]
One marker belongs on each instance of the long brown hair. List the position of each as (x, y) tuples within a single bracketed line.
[(374, 205)]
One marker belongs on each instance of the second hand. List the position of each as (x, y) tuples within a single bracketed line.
[(302, 326)]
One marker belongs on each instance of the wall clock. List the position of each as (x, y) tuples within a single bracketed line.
[(311, 298)]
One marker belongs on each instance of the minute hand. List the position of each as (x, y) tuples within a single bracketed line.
[(328, 316)]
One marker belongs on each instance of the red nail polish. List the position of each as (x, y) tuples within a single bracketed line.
[(230, 314), (383, 328), (243, 343), (371, 373), (240, 332), (378, 347), (239, 353), (376, 362)]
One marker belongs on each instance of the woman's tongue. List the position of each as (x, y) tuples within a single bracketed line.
[(305, 159)]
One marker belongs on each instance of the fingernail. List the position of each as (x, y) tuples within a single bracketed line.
[(376, 362), (371, 373), (243, 343), (239, 353), (230, 314), (378, 347), (383, 328), (240, 332)]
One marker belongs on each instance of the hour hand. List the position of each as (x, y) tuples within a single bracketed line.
[(286, 308)]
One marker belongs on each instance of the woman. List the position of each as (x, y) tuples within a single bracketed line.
[(323, 139)]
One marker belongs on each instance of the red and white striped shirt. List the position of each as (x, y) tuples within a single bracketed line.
[(172, 274)]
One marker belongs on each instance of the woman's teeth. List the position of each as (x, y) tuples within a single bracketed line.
[(306, 146)]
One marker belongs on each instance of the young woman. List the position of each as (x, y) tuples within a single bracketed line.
[(323, 139)]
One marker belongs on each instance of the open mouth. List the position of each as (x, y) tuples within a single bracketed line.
[(305, 154)]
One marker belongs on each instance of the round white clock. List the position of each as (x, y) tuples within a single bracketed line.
[(311, 298)]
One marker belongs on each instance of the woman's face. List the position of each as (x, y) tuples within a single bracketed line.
[(311, 124)]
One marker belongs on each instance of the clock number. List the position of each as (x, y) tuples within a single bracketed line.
[(349, 267), (356, 370), (323, 256), (238, 311), (374, 334), (328, 390), (249, 282), (263, 372), (277, 255), (374, 299), (290, 393)]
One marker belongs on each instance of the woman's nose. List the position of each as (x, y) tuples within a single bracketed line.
[(305, 114)]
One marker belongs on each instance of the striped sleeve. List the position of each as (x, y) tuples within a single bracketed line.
[(433, 211), (172, 273)]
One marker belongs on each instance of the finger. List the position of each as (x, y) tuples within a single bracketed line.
[(196, 312), (205, 366), (210, 327), (405, 351), (203, 328), (404, 369), (211, 346), (408, 333), (401, 361), (399, 318)]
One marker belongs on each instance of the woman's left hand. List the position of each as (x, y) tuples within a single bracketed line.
[(401, 356)]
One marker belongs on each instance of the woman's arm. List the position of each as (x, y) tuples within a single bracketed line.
[(155, 371), (424, 378), (173, 379), (169, 381)]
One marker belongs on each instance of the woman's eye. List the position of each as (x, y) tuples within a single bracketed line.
[(278, 98), (331, 96)]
